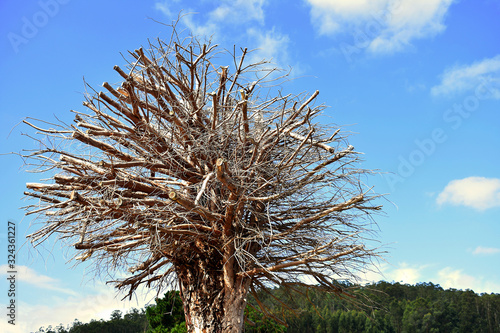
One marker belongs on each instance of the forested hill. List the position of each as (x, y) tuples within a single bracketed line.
[(388, 307), (394, 307)]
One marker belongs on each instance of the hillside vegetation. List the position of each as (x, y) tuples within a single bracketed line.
[(387, 307)]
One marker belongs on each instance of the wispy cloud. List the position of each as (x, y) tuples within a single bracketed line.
[(82, 306), (485, 250), (242, 22), (455, 278), (239, 11), (227, 14), (476, 192), (29, 276), (382, 26), (449, 277), (269, 44), (463, 78), (208, 29), (403, 272), (60, 305), (407, 274), (273, 46), (165, 8)]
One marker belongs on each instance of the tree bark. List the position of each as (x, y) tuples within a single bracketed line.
[(224, 188), (210, 305)]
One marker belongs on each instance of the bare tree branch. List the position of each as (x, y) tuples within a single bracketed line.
[(189, 173)]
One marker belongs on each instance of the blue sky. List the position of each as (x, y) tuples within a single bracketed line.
[(416, 82)]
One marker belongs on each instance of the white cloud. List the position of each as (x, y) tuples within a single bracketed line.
[(239, 11), (484, 74), (382, 26), (243, 20), (208, 29), (455, 278), (331, 15), (29, 276), (450, 278), (407, 275), (227, 14), (81, 305), (476, 192), (403, 273), (164, 7), (446, 277), (486, 250), (270, 45)]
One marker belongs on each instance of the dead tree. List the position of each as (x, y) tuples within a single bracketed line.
[(194, 174)]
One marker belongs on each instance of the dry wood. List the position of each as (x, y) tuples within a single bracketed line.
[(190, 174)]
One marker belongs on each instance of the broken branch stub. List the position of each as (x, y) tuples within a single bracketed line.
[(190, 172)]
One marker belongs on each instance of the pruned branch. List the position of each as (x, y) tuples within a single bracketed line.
[(196, 172)]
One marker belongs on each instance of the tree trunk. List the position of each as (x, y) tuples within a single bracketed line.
[(210, 304)]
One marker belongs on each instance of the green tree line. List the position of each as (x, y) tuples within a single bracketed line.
[(381, 307)]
